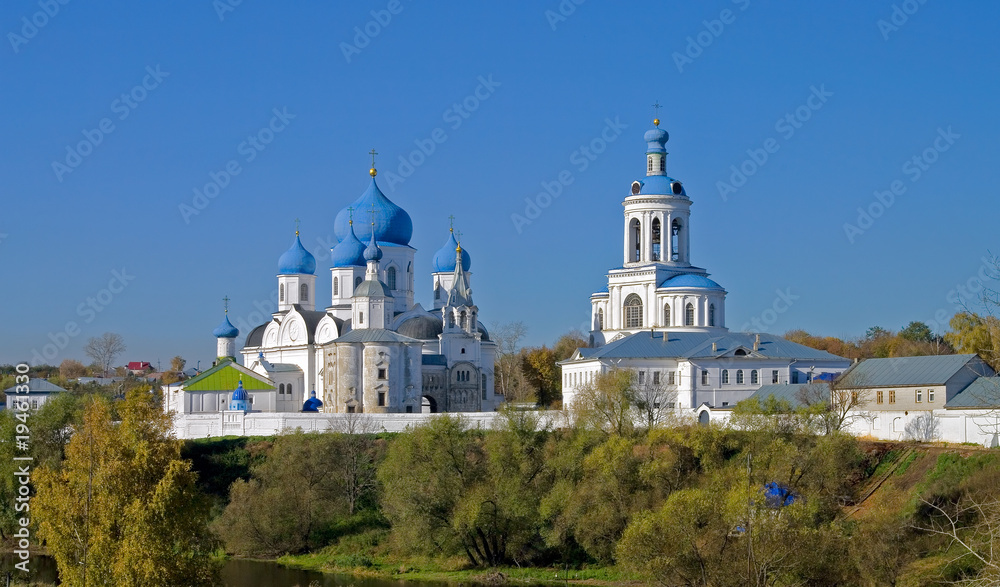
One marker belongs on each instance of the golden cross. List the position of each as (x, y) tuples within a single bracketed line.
[(225, 301)]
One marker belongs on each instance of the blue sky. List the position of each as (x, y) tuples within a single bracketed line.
[(920, 84)]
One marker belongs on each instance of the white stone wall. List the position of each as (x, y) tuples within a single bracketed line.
[(190, 426)]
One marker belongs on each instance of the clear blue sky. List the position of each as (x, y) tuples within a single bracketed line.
[(889, 90)]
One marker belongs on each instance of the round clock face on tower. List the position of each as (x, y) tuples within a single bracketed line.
[(636, 186)]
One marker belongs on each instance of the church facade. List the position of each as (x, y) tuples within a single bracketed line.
[(664, 318), (372, 349)]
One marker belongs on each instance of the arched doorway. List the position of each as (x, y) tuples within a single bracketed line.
[(428, 405), (703, 418)]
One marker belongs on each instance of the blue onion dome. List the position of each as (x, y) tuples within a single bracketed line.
[(655, 139), (690, 280), (444, 259), (392, 224), (240, 394), (349, 251), (297, 259), (372, 252), (226, 329), (313, 404)]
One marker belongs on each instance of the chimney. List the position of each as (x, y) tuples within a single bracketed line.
[(715, 347), (756, 343)]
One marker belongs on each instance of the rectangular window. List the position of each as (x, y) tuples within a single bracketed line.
[(930, 395), (892, 396), (642, 377), (919, 395), (704, 377), (795, 376), (724, 404), (879, 396), (670, 405), (381, 398), (670, 378), (656, 377), (361, 317), (381, 373), (409, 409), (774, 376)]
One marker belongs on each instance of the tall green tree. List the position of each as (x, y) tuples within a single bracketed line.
[(124, 509)]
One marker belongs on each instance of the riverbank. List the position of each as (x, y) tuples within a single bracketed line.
[(453, 570)]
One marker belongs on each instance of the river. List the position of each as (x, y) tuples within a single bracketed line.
[(235, 573)]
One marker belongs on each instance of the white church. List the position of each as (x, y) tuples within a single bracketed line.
[(372, 349), (664, 318)]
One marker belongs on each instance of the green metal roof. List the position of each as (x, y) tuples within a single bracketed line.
[(902, 371), (791, 392), (225, 376), (984, 392)]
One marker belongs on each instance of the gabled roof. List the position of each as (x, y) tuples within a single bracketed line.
[(375, 335), (698, 345), (36, 385), (984, 392), (225, 376), (903, 371)]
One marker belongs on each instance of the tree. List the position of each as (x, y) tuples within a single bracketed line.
[(71, 369), (542, 374), (836, 406), (177, 363), (972, 333), (609, 403), (449, 490), (110, 516), (104, 350), (292, 501), (917, 332), (359, 453), (508, 376)]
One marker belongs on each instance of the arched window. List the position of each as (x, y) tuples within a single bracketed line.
[(754, 377), (303, 293), (281, 292), (633, 311), (656, 239), (357, 281), (666, 314), (336, 286), (281, 389), (390, 277), (600, 318), (725, 376), (636, 232), (409, 276), (463, 320), (739, 377), (689, 315), (288, 389), (675, 239), (711, 315), (437, 292)]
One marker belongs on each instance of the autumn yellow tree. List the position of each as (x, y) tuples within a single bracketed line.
[(124, 508)]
